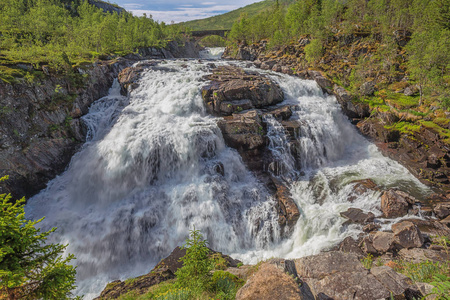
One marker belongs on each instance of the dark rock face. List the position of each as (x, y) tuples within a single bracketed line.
[(233, 89), (41, 129), (407, 235), (356, 215)]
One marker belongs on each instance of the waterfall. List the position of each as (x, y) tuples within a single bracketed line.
[(155, 165), (212, 53)]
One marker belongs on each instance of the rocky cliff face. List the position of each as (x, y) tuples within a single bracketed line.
[(40, 125)]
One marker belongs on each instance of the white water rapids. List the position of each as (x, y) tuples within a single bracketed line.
[(150, 171)]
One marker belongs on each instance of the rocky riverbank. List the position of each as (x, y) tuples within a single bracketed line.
[(385, 108), (40, 125)]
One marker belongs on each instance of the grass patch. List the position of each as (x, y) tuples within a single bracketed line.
[(400, 101), (404, 127), (443, 133)]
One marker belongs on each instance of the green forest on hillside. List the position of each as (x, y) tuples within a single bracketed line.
[(226, 20), (55, 32), (423, 24)]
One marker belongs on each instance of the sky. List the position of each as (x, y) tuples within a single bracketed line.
[(180, 11)]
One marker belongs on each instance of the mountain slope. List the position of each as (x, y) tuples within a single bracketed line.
[(225, 21)]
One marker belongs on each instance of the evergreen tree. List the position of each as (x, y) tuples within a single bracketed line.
[(29, 268)]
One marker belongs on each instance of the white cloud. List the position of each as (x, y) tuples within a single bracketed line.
[(131, 6), (181, 14), (209, 3)]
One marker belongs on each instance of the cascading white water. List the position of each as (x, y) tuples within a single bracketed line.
[(212, 53), (155, 165)]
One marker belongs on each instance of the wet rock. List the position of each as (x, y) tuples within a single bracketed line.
[(269, 282), (232, 90), (286, 70), (356, 215), (407, 235), (243, 131), (282, 113), (383, 241), (322, 81), (442, 210), (289, 212), (393, 204), (129, 77), (371, 227), (268, 65)]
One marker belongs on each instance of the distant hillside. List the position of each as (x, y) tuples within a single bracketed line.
[(226, 20)]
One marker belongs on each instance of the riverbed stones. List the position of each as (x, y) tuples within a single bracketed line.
[(233, 89), (442, 210)]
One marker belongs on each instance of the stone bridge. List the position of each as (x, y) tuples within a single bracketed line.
[(199, 34)]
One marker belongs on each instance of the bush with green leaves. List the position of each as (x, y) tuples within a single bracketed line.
[(30, 268), (314, 51)]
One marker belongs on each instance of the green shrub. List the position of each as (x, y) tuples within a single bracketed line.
[(195, 273), (313, 51), (30, 268)]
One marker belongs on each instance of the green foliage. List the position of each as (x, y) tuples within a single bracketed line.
[(213, 41), (225, 285), (314, 51), (51, 32), (29, 268), (195, 273), (225, 21), (367, 261), (441, 285)]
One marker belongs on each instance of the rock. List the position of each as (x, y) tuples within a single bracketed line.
[(442, 210), (367, 88), (243, 272), (411, 90), (356, 215), (393, 204), (232, 90), (323, 82), (289, 212), (371, 227), (269, 282), (276, 68), (446, 221), (340, 276), (407, 235), (268, 65), (398, 284), (361, 187), (383, 241), (281, 114), (286, 70), (349, 245), (426, 289), (366, 245), (431, 227), (243, 131), (350, 109), (418, 255)]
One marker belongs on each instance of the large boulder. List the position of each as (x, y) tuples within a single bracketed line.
[(340, 275), (383, 241), (442, 210), (407, 235), (394, 204), (232, 90), (270, 282), (356, 215)]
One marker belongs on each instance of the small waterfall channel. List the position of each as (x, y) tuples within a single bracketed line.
[(155, 165)]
